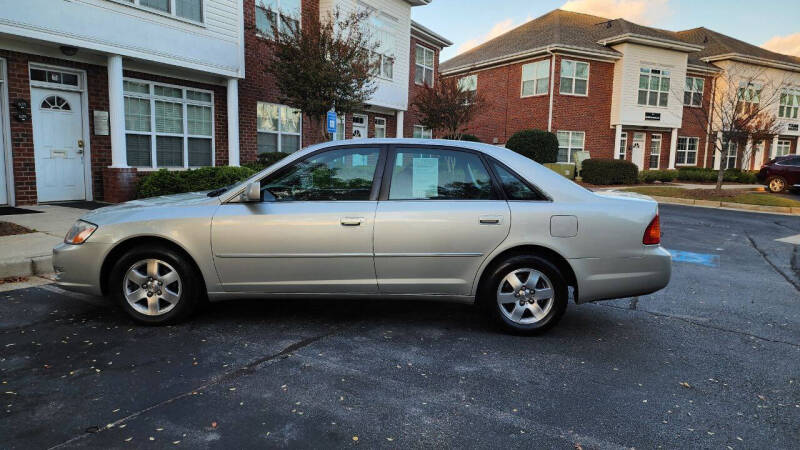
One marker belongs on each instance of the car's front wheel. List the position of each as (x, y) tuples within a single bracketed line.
[(776, 184), (155, 285), (525, 294)]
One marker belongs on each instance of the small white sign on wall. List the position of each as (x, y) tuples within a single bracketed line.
[(101, 123)]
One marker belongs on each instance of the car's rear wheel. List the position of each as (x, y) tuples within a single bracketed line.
[(525, 295), (776, 184), (155, 285)]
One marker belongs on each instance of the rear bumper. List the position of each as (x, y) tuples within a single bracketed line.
[(609, 278), (78, 266)]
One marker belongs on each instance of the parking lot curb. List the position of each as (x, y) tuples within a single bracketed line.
[(728, 205), (26, 267)]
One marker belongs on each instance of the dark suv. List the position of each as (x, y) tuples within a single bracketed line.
[(781, 173)]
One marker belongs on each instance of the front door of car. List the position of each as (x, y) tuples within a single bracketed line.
[(315, 237), (439, 217)]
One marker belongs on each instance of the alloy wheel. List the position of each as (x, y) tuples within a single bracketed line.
[(525, 296), (152, 287), (776, 184)]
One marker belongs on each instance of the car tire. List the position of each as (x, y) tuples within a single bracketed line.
[(776, 185), (166, 298), (529, 309)]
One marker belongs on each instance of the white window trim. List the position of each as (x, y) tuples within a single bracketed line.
[(423, 130), (588, 72), (152, 98), (794, 92), (383, 126), (655, 137), (263, 35), (650, 74), (432, 68), (172, 14), (692, 92), (535, 80), (569, 147), (686, 151), (623, 150), (58, 86), (726, 154), (280, 132), (785, 143)]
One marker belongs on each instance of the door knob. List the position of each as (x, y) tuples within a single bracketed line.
[(81, 144)]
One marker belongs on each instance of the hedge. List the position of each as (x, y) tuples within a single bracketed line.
[(540, 146), (464, 137), (609, 171), (664, 176), (710, 175), (166, 182), (563, 169)]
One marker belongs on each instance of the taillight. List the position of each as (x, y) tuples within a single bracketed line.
[(652, 235)]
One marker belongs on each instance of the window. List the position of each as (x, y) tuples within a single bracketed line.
[(280, 14), (380, 127), (421, 132), (469, 84), (574, 77), (729, 150), (433, 174), (340, 125), (783, 148), (56, 77), (55, 102), (749, 96), (168, 126), (382, 27), (278, 128), (383, 66), (423, 67), (185, 9), (514, 187), (789, 103), (655, 151), (568, 143), (623, 145), (653, 87), (686, 153), (536, 78), (341, 174), (693, 92)]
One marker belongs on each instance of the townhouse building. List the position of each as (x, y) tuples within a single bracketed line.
[(96, 93), (621, 90)]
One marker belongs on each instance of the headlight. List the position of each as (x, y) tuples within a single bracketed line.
[(79, 232)]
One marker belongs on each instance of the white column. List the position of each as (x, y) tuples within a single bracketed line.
[(617, 140), (400, 117), (233, 121), (116, 112), (673, 148), (717, 154), (759, 157), (797, 145), (747, 157)]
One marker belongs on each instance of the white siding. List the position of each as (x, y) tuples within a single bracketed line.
[(114, 27), (390, 94), (625, 108)]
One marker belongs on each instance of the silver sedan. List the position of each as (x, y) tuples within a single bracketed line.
[(377, 218)]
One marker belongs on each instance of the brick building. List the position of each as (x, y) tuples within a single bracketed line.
[(95, 93), (620, 90)]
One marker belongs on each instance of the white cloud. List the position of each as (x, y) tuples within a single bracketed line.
[(496, 30), (644, 12), (789, 44)]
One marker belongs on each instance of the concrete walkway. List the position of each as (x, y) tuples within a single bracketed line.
[(23, 255)]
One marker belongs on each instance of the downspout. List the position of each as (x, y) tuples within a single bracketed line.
[(552, 84)]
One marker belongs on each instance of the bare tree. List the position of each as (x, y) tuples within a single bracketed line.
[(323, 63), (741, 110), (447, 107)]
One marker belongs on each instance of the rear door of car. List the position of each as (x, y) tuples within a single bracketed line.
[(440, 214)]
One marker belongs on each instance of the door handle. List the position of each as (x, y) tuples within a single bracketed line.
[(351, 221), (490, 220)]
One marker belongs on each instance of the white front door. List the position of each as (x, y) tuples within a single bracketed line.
[(359, 126), (637, 150), (58, 145)]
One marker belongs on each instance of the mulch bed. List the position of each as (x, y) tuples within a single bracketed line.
[(13, 280), (10, 229)]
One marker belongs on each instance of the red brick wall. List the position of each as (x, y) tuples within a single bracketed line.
[(693, 126), (411, 117)]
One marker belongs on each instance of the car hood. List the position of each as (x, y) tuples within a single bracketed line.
[(155, 205)]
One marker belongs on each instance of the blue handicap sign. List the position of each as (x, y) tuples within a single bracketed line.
[(331, 122)]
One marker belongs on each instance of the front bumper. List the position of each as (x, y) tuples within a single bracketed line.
[(78, 266), (609, 278)]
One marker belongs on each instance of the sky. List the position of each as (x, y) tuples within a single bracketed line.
[(773, 24)]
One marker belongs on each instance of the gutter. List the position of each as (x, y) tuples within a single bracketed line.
[(652, 41), (753, 60)]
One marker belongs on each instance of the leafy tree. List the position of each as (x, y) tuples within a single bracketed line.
[(324, 63), (538, 145), (447, 107)]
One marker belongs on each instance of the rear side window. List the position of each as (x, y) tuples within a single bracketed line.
[(433, 174), (514, 187)]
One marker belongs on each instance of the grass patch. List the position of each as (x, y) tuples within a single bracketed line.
[(728, 195)]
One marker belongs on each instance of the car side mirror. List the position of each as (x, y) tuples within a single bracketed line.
[(252, 193)]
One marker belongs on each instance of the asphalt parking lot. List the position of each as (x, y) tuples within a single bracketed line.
[(712, 361)]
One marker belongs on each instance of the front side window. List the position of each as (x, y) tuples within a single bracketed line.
[(168, 126), (423, 67), (278, 128), (686, 153), (789, 103), (276, 14), (568, 143), (513, 186), (422, 132), (536, 78), (783, 148), (433, 174), (653, 87), (380, 127), (693, 92), (574, 77), (341, 174)]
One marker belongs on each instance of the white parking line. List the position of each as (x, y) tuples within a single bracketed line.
[(790, 239)]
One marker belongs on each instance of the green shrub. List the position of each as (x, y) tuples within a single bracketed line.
[(609, 171), (540, 146), (464, 137), (707, 175), (166, 182), (651, 176), (269, 158), (565, 170)]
